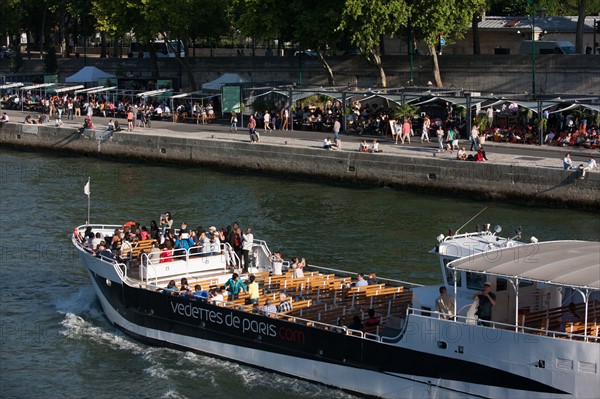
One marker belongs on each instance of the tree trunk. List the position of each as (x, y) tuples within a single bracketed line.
[(102, 44), (475, 32), (375, 59), (327, 67), (436, 67), (153, 60), (43, 31), (581, 11), (184, 62), (62, 34), (116, 46)]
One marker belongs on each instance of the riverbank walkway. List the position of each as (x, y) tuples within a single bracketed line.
[(497, 153)]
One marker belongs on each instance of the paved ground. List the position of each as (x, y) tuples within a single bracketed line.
[(502, 153)]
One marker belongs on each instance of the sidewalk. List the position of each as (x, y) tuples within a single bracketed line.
[(498, 153)]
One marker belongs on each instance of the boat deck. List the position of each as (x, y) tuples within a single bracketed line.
[(322, 298)]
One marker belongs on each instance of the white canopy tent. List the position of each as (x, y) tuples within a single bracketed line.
[(88, 74), (594, 108), (226, 78), (15, 85)]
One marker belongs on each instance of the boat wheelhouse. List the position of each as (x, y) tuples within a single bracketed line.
[(413, 351)]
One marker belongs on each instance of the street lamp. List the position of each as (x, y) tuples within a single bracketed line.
[(532, 3)]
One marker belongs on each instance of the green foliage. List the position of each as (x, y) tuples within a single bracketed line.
[(481, 121), (406, 111)]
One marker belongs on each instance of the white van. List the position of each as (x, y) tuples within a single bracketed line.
[(547, 47), (162, 48)]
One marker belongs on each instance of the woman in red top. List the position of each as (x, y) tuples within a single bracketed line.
[(129, 119), (167, 253)]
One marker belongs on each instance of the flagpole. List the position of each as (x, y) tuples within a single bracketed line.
[(86, 191)]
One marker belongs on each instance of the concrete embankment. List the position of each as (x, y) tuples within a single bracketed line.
[(531, 180)]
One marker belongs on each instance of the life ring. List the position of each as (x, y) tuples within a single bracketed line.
[(128, 224)]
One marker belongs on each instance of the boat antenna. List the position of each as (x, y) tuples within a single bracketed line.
[(470, 220)]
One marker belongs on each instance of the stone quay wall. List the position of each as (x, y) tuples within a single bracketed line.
[(425, 173)]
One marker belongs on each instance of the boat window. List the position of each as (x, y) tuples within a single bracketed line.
[(502, 284), (475, 281), (450, 275)]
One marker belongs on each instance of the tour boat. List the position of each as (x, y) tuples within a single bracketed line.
[(527, 350)]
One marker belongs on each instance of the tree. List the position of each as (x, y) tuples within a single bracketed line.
[(432, 18), (368, 21), (315, 28)]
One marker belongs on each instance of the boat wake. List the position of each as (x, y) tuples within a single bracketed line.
[(84, 321)]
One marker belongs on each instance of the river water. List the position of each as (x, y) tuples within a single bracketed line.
[(54, 338)]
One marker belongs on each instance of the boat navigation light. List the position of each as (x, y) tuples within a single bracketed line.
[(440, 238), (534, 240), (497, 229)]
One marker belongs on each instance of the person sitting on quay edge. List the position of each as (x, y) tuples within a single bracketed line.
[(461, 155), (328, 144), (363, 147), (590, 166), (481, 157), (375, 146), (284, 305), (567, 163)]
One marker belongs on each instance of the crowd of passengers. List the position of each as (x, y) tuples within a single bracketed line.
[(168, 243)]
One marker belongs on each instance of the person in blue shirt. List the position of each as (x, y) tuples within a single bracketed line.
[(234, 285), (199, 293)]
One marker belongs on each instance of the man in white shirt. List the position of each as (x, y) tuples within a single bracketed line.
[(4, 118), (361, 282), (247, 245), (590, 166)]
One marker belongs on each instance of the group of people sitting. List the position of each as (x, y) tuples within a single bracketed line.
[(230, 291), (479, 156)]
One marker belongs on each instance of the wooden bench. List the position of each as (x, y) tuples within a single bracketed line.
[(142, 246)]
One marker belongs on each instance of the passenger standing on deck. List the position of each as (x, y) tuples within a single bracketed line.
[(234, 285), (444, 304), (166, 222), (487, 300), (247, 244), (298, 267), (277, 263), (253, 290)]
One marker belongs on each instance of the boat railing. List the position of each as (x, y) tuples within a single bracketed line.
[(349, 273), (500, 325), (185, 255)]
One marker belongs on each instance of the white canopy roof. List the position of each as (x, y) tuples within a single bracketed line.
[(37, 86), (88, 74), (568, 263), (67, 88), (11, 85), (223, 80), (101, 89), (154, 93), (88, 89)]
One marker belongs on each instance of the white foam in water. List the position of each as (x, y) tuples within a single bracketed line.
[(166, 363)]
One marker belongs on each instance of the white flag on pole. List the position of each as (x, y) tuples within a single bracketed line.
[(86, 188)]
